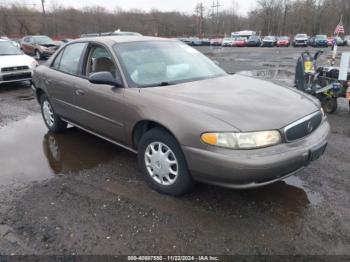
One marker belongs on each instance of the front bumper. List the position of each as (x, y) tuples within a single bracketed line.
[(253, 168), (268, 44), (321, 44), (15, 76), (47, 54), (301, 43)]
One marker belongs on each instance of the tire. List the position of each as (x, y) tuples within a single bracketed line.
[(329, 104), (151, 144), (38, 55), (51, 119)]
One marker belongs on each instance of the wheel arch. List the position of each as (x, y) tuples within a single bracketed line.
[(38, 93), (143, 126)]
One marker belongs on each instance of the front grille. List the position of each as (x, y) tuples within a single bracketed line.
[(16, 76), (303, 127), (14, 68)]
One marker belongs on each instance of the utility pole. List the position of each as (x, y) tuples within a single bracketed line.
[(199, 15), (43, 6), (215, 9)]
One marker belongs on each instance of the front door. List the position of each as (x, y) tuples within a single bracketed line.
[(101, 107)]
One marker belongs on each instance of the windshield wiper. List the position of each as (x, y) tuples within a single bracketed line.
[(159, 84)]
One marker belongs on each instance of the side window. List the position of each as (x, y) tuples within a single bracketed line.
[(100, 60), (70, 58), (100, 52)]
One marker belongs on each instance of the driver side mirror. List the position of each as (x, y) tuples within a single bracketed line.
[(104, 78)]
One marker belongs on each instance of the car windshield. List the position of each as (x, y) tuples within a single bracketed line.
[(301, 36), (283, 38), (269, 38), (253, 38), (7, 48), (156, 63), (43, 40), (227, 39), (321, 37)]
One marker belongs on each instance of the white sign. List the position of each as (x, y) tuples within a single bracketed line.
[(344, 66)]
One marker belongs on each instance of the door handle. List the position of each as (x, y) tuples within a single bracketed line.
[(79, 92)]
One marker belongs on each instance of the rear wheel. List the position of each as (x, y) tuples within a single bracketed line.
[(163, 163), (51, 119), (329, 104)]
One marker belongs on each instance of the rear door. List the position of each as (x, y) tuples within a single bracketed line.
[(101, 107), (64, 76)]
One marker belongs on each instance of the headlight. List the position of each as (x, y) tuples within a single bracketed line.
[(33, 64), (247, 140)]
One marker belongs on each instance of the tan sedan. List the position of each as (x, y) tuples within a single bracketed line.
[(183, 115)]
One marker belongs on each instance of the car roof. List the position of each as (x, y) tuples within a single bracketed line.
[(121, 39)]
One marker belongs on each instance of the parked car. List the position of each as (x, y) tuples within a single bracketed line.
[(283, 41), (254, 40), (311, 41), (230, 136), (330, 40), (184, 40), (227, 42), (194, 41), (300, 40), (216, 41), (38, 45), (347, 40), (14, 65), (269, 41), (239, 42), (339, 40), (320, 41), (205, 41)]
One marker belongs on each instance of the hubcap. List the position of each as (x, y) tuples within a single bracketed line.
[(37, 55), (48, 114), (161, 163)]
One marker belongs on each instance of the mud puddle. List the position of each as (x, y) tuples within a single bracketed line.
[(28, 152)]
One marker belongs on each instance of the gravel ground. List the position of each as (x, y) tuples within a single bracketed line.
[(76, 194)]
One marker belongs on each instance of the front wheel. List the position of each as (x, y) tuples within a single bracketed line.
[(51, 119), (163, 163), (329, 104)]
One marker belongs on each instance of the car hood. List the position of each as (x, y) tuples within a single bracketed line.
[(301, 39), (246, 103), (15, 60)]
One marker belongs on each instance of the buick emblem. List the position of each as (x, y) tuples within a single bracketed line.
[(309, 127)]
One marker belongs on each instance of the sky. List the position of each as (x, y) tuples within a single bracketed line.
[(186, 6)]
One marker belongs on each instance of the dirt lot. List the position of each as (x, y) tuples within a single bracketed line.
[(76, 194)]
